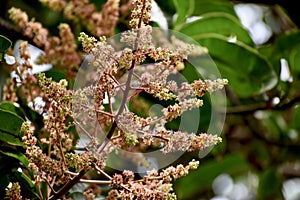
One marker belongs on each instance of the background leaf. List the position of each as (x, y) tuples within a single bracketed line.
[(10, 122), (248, 72), (206, 6), (183, 9), (10, 139), (217, 22), (14, 154), (202, 178), (269, 185)]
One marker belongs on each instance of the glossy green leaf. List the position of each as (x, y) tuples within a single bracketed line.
[(5, 43), (10, 106), (217, 22), (4, 181), (167, 7), (56, 74), (10, 122), (10, 139), (248, 72), (183, 9), (294, 61), (296, 116), (201, 179), (269, 185), (24, 179), (206, 6), (26, 184), (14, 154), (286, 46)]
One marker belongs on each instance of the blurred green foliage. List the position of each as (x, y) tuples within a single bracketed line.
[(260, 135)]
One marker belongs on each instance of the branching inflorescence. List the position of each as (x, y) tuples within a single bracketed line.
[(122, 74)]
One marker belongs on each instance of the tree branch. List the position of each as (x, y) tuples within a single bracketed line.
[(69, 185), (248, 109)]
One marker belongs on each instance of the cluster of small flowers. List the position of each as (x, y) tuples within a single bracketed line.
[(200, 87), (154, 185), (125, 129), (59, 51), (189, 142), (133, 127), (14, 192), (80, 161), (98, 23), (31, 28), (140, 15), (89, 194), (56, 5), (153, 79), (44, 167), (58, 105), (23, 79), (187, 99)]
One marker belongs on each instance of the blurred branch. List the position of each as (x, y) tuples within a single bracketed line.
[(252, 123), (251, 108), (12, 32)]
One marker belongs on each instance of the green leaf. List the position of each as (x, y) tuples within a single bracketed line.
[(10, 106), (14, 154), (269, 185), (183, 9), (294, 61), (10, 122), (295, 119), (24, 179), (4, 181), (286, 46), (10, 139), (201, 179), (167, 7), (27, 186), (248, 72), (206, 6), (56, 74), (5, 43), (217, 22)]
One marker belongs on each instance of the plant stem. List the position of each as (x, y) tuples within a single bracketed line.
[(127, 88), (69, 185)]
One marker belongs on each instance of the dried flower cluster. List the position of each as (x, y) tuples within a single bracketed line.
[(100, 107)]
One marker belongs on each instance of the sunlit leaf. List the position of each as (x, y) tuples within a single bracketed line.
[(14, 154), (217, 22), (286, 46), (10, 122), (10, 106), (248, 72), (24, 178), (183, 9), (10, 139), (206, 6)]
